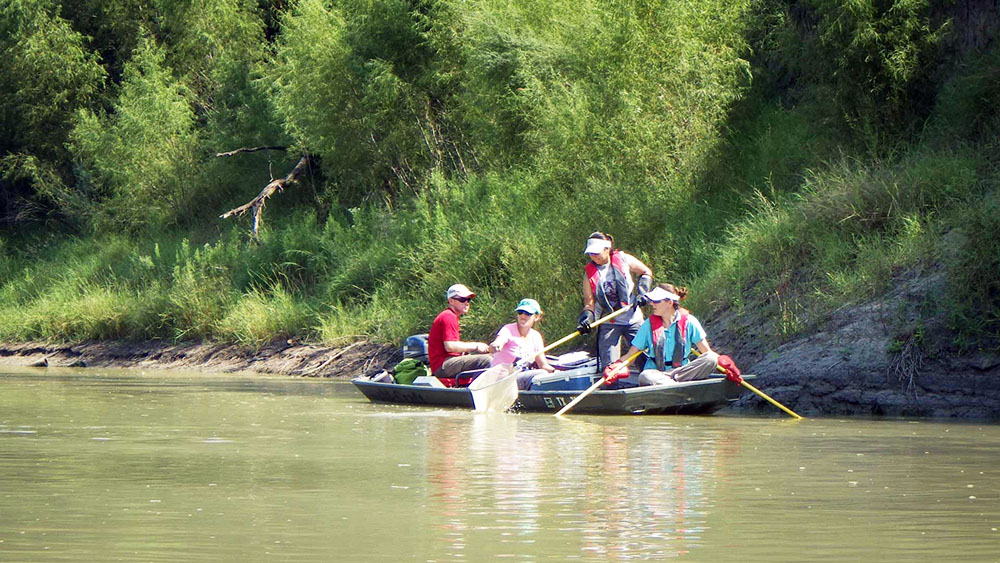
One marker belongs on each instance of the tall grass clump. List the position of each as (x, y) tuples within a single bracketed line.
[(259, 317), (972, 254), (842, 239), (76, 289)]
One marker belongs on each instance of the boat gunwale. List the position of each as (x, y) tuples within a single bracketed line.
[(641, 389)]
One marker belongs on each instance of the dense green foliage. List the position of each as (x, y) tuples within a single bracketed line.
[(781, 157)]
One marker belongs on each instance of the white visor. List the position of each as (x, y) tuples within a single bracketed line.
[(659, 294), (596, 245)]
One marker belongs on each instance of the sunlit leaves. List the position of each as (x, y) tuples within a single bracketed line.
[(142, 155)]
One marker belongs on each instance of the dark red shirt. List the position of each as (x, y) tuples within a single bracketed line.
[(444, 329)]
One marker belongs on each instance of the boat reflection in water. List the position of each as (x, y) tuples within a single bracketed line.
[(612, 490)]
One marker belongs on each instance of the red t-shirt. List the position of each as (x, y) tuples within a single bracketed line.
[(443, 329)]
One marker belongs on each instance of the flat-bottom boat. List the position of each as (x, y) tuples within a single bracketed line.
[(691, 397)]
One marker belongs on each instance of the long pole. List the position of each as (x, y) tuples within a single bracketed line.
[(758, 391), (576, 333), (592, 388), (769, 399)]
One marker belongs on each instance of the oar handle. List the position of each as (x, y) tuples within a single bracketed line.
[(580, 397), (558, 342), (607, 318), (576, 333), (598, 383)]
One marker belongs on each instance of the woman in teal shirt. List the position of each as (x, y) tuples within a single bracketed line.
[(667, 338)]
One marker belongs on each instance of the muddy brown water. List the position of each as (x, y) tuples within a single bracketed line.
[(99, 465)]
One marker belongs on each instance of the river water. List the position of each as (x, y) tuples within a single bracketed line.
[(130, 466)]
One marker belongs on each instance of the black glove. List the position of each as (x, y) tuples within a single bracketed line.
[(643, 288), (586, 317), (644, 282)]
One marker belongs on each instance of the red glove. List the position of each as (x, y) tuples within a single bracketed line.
[(614, 372), (728, 366)]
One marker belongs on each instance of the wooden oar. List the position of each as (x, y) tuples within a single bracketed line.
[(576, 333), (599, 382)]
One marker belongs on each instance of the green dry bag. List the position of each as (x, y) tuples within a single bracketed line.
[(408, 370)]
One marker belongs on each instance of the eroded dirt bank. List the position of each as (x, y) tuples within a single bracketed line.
[(886, 357), (285, 358)]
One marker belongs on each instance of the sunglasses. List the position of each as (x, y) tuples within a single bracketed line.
[(462, 299), (525, 313)]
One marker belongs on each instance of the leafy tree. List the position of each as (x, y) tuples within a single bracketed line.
[(877, 61), (345, 84), (114, 28), (46, 75), (140, 159)]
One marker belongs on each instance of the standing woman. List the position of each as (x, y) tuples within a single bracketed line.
[(607, 287)]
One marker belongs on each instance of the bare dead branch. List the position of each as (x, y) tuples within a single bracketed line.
[(257, 204), (250, 149)]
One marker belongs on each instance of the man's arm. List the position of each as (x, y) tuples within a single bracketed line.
[(459, 347)]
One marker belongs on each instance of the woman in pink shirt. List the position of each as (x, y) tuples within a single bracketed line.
[(520, 341)]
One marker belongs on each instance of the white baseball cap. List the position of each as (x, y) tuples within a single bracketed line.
[(459, 290)]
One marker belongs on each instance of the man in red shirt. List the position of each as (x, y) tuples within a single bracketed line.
[(447, 354)]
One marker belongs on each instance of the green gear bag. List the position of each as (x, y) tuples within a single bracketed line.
[(408, 370)]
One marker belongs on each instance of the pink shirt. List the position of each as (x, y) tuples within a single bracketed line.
[(514, 347)]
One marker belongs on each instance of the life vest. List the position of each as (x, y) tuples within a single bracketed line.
[(619, 272), (659, 340)]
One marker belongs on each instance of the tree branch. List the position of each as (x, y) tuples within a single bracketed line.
[(250, 149), (257, 204)]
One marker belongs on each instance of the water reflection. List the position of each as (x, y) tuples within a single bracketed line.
[(615, 491), (168, 468)]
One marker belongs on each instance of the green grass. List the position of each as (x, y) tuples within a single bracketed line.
[(854, 227), (793, 259)]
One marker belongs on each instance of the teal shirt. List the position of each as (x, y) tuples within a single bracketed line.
[(644, 339)]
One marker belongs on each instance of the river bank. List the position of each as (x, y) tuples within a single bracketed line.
[(815, 375), (280, 358), (885, 357)]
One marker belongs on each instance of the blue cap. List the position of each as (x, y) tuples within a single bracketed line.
[(528, 306)]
